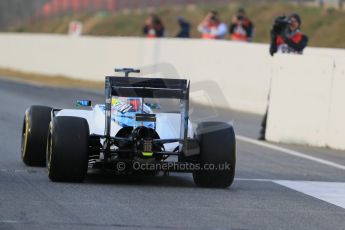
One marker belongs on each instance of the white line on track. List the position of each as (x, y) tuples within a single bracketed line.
[(251, 179), (330, 192), (290, 152)]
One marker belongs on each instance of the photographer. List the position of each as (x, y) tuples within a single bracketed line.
[(184, 28), (286, 35), (153, 27), (286, 38), (211, 27), (241, 28)]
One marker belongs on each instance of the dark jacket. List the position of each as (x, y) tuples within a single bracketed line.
[(292, 42), (242, 31), (184, 30)]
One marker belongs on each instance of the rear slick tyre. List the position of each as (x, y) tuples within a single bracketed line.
[(67, 149), (217, 155)]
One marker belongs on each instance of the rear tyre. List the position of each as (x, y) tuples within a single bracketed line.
[(67, 149), (217, 155), (34, 135)]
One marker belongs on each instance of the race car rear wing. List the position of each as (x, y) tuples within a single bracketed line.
[(149, 88)]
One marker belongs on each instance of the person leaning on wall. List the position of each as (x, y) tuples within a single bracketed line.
[(211, 27), (184, 28), (153, 27), (241, 27), (286, 37)]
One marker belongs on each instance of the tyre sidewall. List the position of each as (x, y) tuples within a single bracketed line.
[(35, 126)]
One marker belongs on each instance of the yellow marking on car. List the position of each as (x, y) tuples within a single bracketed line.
[(147, 154), (26, 133), (49, 146), (114, 101)]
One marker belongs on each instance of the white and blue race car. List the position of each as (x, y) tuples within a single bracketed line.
[(127, 136)]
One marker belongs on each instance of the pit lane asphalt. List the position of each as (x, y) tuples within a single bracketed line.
[(28, 200)]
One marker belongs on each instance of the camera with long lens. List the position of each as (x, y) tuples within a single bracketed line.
[(281, 25), (240, 18)]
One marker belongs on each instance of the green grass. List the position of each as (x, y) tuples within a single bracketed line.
[(325, 27)]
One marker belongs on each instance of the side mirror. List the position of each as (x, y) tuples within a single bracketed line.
[(83, 103)]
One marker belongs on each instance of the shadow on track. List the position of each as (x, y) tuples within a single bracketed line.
[(175, 180)]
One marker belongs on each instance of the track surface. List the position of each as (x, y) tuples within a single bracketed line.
[(270, 190)]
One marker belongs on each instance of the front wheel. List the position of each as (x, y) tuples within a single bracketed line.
[(67, 149), (217, 155)]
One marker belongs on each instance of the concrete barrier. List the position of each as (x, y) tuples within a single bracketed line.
[(336, 121), (307, 101), (299, 100), (240, 71)]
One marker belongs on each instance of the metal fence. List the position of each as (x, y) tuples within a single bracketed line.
[(14, 12), (17, 11), (56, 7)]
